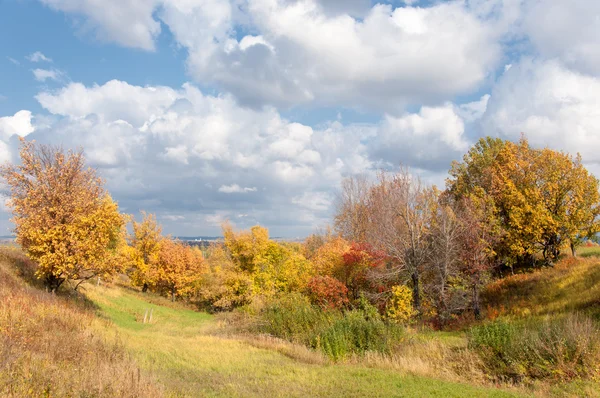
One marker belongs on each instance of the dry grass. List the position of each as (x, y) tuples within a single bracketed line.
[(572, 285), (48, 346)]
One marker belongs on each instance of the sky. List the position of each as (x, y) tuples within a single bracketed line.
[(253, 111)]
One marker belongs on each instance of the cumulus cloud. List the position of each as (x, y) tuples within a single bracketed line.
[(403, 54), (566, 30), (336, 52), (19, 124), (38, 57), (180, 151), (553, 105), (128, 23), (429, 139)]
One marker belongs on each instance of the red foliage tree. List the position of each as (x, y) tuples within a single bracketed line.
[(327, 292)]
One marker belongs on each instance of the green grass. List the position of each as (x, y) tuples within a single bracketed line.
[(591, 251), (179, 351)]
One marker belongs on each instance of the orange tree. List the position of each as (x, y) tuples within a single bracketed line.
[(64, 218), (178, 269)]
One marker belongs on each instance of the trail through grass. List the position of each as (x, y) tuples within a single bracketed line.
[(178, 351)]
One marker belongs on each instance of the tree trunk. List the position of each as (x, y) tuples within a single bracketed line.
[(173, 295), (416, 291), (53, 283), (145, 288), (476, 307), (573, 250)]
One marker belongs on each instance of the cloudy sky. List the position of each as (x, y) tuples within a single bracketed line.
[(254, 110)]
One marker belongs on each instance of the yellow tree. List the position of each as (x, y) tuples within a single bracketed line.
[(64, 219), (570, 198), (541, 199), (144, 241), (273, 267), (178, 269)]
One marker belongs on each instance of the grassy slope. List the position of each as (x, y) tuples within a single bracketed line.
[(572, 285), (177, 349), (48, 348)]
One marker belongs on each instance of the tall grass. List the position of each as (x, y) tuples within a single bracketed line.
[(337, 334), (48, 346), (566, 348)]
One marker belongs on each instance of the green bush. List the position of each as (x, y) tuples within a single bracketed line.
[(294, 318), (337, 334), (566, 348)]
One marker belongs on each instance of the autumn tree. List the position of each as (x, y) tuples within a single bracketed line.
[(477, 240), (223, 286), (144, 241), (64, 218), (541, 199), (447, 231), (178, 269), (401, 210), (352, 213), (273, 267), (570, 198)]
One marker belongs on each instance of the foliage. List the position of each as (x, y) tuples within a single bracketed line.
[(178, 269), (564, 348), (337, 334), (294, 318), (399, 308), (327, 292), (329, 257), (144, 248), (541, 199), (63, 217), (223, 288), (271, 266)]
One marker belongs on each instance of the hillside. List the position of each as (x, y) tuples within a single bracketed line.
[(572, 285), (61, 346)]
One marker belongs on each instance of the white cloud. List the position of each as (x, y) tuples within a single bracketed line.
[(428, 139), (19, 124), (128, 23), (235, 188), (14, 61), (568, 30), (391, 56), (553, 105), (335, 52), (42, 75), (38, 57), (178, 151)]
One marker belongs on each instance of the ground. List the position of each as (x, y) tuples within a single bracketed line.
[(180, 350)]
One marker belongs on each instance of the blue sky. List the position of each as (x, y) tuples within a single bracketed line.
[(254, 110)]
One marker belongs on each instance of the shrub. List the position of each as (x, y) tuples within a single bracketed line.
[(399, 308), (337, 334), (293, 317), (356, 333), (565, 348), (327, 292)]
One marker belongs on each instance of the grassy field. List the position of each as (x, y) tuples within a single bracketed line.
[(98, 345), (178, 349)]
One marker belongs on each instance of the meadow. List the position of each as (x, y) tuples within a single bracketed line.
[(99, 345)]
